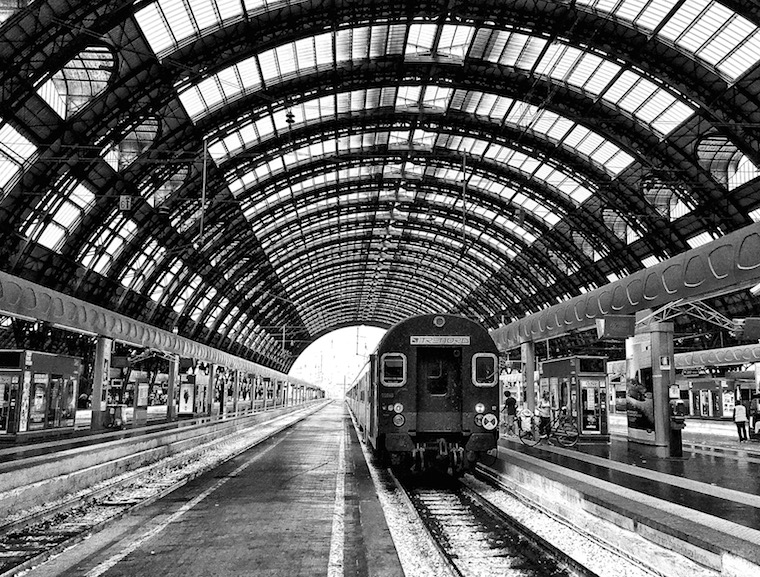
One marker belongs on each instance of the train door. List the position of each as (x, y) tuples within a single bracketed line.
[(372, 403), (439, 389)]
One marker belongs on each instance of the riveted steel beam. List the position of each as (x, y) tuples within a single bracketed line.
[(726, 265), (19, 297)]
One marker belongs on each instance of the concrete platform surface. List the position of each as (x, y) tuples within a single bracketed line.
[(709, 498), (299, 504)]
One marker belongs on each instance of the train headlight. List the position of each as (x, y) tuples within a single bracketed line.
[(398, 407), (480, 408), (398, 420), (439, 322)]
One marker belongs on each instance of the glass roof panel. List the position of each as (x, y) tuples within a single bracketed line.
[(15, 150), (176, 15), (105, 245), (211, 91), (743, 57), (59, 213), (704, 30), (192, 102), (541, 122), (167, 24), (229, 83), (646, 15), (455, 40), (585, 71), (268, 65), (534, 167), (142, 264), (286, 58), (628, 91), (155, 29), (203, 13), (421, 38), (437, 97), (229, 9)]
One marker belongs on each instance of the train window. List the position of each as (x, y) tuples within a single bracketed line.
[(484, 373), (436, 378), (393, 370)]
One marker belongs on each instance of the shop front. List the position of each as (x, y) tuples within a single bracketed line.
[(579, 384), (38, 391)]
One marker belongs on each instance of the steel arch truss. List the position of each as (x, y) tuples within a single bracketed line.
[(265, 172)]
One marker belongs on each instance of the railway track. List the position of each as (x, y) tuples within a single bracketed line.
[(477, 539), (32, 538)]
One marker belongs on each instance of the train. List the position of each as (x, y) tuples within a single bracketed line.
[(428, 397)]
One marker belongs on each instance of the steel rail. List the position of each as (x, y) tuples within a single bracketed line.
[(532, 547)]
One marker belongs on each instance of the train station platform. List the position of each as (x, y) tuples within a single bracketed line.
[(301, 503), (304, 503), (705, 505)]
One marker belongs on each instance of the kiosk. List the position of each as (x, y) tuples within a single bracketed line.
[(579, 383), (38, 391)]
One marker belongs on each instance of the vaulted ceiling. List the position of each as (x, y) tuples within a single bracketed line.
[(259, 172)]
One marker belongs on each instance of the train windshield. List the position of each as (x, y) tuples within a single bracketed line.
[(393, 370)]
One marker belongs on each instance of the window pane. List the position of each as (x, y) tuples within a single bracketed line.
[(393, 370)]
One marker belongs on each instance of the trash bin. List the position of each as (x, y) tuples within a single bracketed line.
[(116, 416)]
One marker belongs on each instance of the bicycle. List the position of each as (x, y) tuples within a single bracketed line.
[(562, 429)]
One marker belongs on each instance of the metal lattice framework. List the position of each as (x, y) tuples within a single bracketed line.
[(257, 173)]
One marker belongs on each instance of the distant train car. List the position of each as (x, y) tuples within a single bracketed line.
[(429, 394)]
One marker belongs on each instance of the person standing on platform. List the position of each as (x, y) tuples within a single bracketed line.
[(510, 412), (754, 413), (740, 418), (545, 414)]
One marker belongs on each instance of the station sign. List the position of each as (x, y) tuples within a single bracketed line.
[(439, 340), (693, 372)]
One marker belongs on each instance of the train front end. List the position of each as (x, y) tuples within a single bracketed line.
[(438, 393)]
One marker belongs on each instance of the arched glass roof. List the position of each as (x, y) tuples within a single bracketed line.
[(256, 173)]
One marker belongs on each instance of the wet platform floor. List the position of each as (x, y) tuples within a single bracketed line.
[(695, 481)]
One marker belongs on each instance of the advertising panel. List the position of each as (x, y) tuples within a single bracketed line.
[(186, 397), (640, 401)]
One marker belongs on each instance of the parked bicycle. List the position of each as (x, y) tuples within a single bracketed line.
[(562, 429)]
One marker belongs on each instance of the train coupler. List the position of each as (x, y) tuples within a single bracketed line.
[(456, 459), (418, 458), (443, 447)]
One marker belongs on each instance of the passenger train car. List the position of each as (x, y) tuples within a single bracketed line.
[(429, 394)]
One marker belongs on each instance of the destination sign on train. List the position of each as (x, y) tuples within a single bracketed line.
[(439, 340)]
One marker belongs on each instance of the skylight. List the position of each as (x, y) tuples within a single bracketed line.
[(534, 168), (167, 24), (15, 151), (705, 30), (700, 239), (657, 107), (59, 214)]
